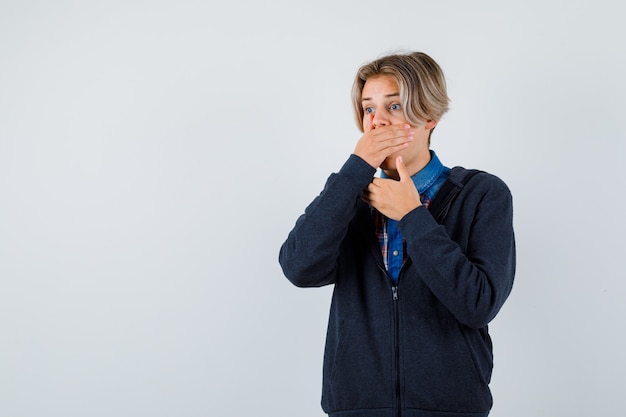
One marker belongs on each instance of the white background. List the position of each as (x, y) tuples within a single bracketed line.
[(155, 154)]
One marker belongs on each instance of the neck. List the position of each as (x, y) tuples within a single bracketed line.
[(413, 166)]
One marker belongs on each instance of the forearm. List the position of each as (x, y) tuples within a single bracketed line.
[(472, 281), (309, 255)]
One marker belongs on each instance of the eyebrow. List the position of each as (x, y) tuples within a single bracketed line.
[(386, 96)]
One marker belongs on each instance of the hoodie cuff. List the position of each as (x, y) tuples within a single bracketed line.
[(358, 170)]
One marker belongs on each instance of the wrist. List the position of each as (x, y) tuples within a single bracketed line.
[(357, 166)]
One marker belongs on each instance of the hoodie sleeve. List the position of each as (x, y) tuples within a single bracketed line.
[(309, 255), (474, 277)]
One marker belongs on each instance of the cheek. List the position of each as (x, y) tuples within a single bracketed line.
[(400, 119)]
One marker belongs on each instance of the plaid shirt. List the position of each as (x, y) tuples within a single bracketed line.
[(392, 245)]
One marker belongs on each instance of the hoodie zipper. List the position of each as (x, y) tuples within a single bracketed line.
[(396, 330), (396, 343), (396, 337)]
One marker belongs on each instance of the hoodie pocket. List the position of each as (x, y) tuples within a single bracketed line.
[(440, 370), (357, 369)]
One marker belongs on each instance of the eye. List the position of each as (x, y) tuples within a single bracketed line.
[(369, 110), (395, 107)]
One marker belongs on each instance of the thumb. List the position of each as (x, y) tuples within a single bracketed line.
[(403, 172)]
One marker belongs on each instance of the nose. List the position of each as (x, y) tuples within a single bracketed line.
[(379, 118)]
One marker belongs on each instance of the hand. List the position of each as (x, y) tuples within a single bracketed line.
[(393, 198), (377, 144)]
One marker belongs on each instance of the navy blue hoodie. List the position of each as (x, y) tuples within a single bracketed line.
[(419, 348)]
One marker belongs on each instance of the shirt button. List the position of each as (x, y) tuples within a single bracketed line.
[(395, 253)]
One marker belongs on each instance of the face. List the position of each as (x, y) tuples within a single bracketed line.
[(382, 107)]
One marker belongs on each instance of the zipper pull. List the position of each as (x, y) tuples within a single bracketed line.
[(394, 289)]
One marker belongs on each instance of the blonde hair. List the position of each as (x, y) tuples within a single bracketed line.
[(421, 82)]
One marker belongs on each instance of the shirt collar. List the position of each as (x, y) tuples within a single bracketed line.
[(428, 175)]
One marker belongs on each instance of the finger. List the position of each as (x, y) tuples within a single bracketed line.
[(391, 132), (368, 197), (391, 146), (403, 172), (399, 139)]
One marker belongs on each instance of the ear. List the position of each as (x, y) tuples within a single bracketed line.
[(431, 124)]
